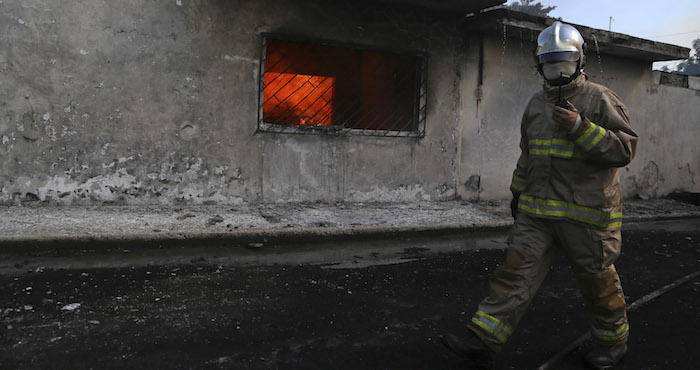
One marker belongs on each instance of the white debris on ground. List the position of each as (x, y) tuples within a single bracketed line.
[(67, 220), (71, 307), (24, 221)]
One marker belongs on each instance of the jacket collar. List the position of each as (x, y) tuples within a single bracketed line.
[(567, 91)]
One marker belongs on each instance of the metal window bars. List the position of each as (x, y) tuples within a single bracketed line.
[(322, 88)]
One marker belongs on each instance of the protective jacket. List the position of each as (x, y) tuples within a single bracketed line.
[(574, 175)]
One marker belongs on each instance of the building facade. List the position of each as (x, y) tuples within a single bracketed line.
[(223, 102)]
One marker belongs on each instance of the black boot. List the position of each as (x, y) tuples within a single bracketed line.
[(605, 357), (470, 347)]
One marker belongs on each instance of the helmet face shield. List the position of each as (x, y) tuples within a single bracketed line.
[(561, 56), (559, 38)]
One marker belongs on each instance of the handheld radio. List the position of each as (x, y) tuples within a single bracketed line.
[(562, 102)]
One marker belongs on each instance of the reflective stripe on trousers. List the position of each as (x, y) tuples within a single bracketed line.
[(492, 325), (609, 336)]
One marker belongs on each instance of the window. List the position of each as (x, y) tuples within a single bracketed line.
[(320, 88)]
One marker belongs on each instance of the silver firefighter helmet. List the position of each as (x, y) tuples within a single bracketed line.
[(560, 42)]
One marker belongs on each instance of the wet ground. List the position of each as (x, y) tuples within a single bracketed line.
[(370, 304)]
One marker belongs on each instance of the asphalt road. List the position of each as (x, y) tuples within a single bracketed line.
[(387, 314)]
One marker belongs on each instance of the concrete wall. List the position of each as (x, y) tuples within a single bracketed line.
[(490, 135), (665, 118), (156, 102)]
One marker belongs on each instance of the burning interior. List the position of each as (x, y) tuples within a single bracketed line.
[(307, 84)]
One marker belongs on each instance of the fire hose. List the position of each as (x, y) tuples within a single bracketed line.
[(632, 307)]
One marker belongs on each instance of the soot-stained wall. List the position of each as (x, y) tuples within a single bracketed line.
[(156, 102), (136, 102)]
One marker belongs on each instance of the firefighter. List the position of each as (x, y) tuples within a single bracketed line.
[(566, 198)]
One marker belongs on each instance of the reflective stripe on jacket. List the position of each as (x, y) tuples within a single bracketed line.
[(574, 176)]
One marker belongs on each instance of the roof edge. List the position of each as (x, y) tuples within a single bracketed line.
[(527, 27), (462, 6)]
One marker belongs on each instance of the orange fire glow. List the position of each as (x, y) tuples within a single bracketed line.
[(298, 99)]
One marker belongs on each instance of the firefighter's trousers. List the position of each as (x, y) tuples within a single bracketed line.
[(533, 245)]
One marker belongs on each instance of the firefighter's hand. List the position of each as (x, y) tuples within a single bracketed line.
[(565, 118)]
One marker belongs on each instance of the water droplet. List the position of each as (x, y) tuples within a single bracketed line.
[(597, 51)]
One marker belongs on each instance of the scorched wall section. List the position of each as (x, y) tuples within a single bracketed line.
[(156, 102)]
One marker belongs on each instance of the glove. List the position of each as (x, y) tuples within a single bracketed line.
[(514, 206)]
